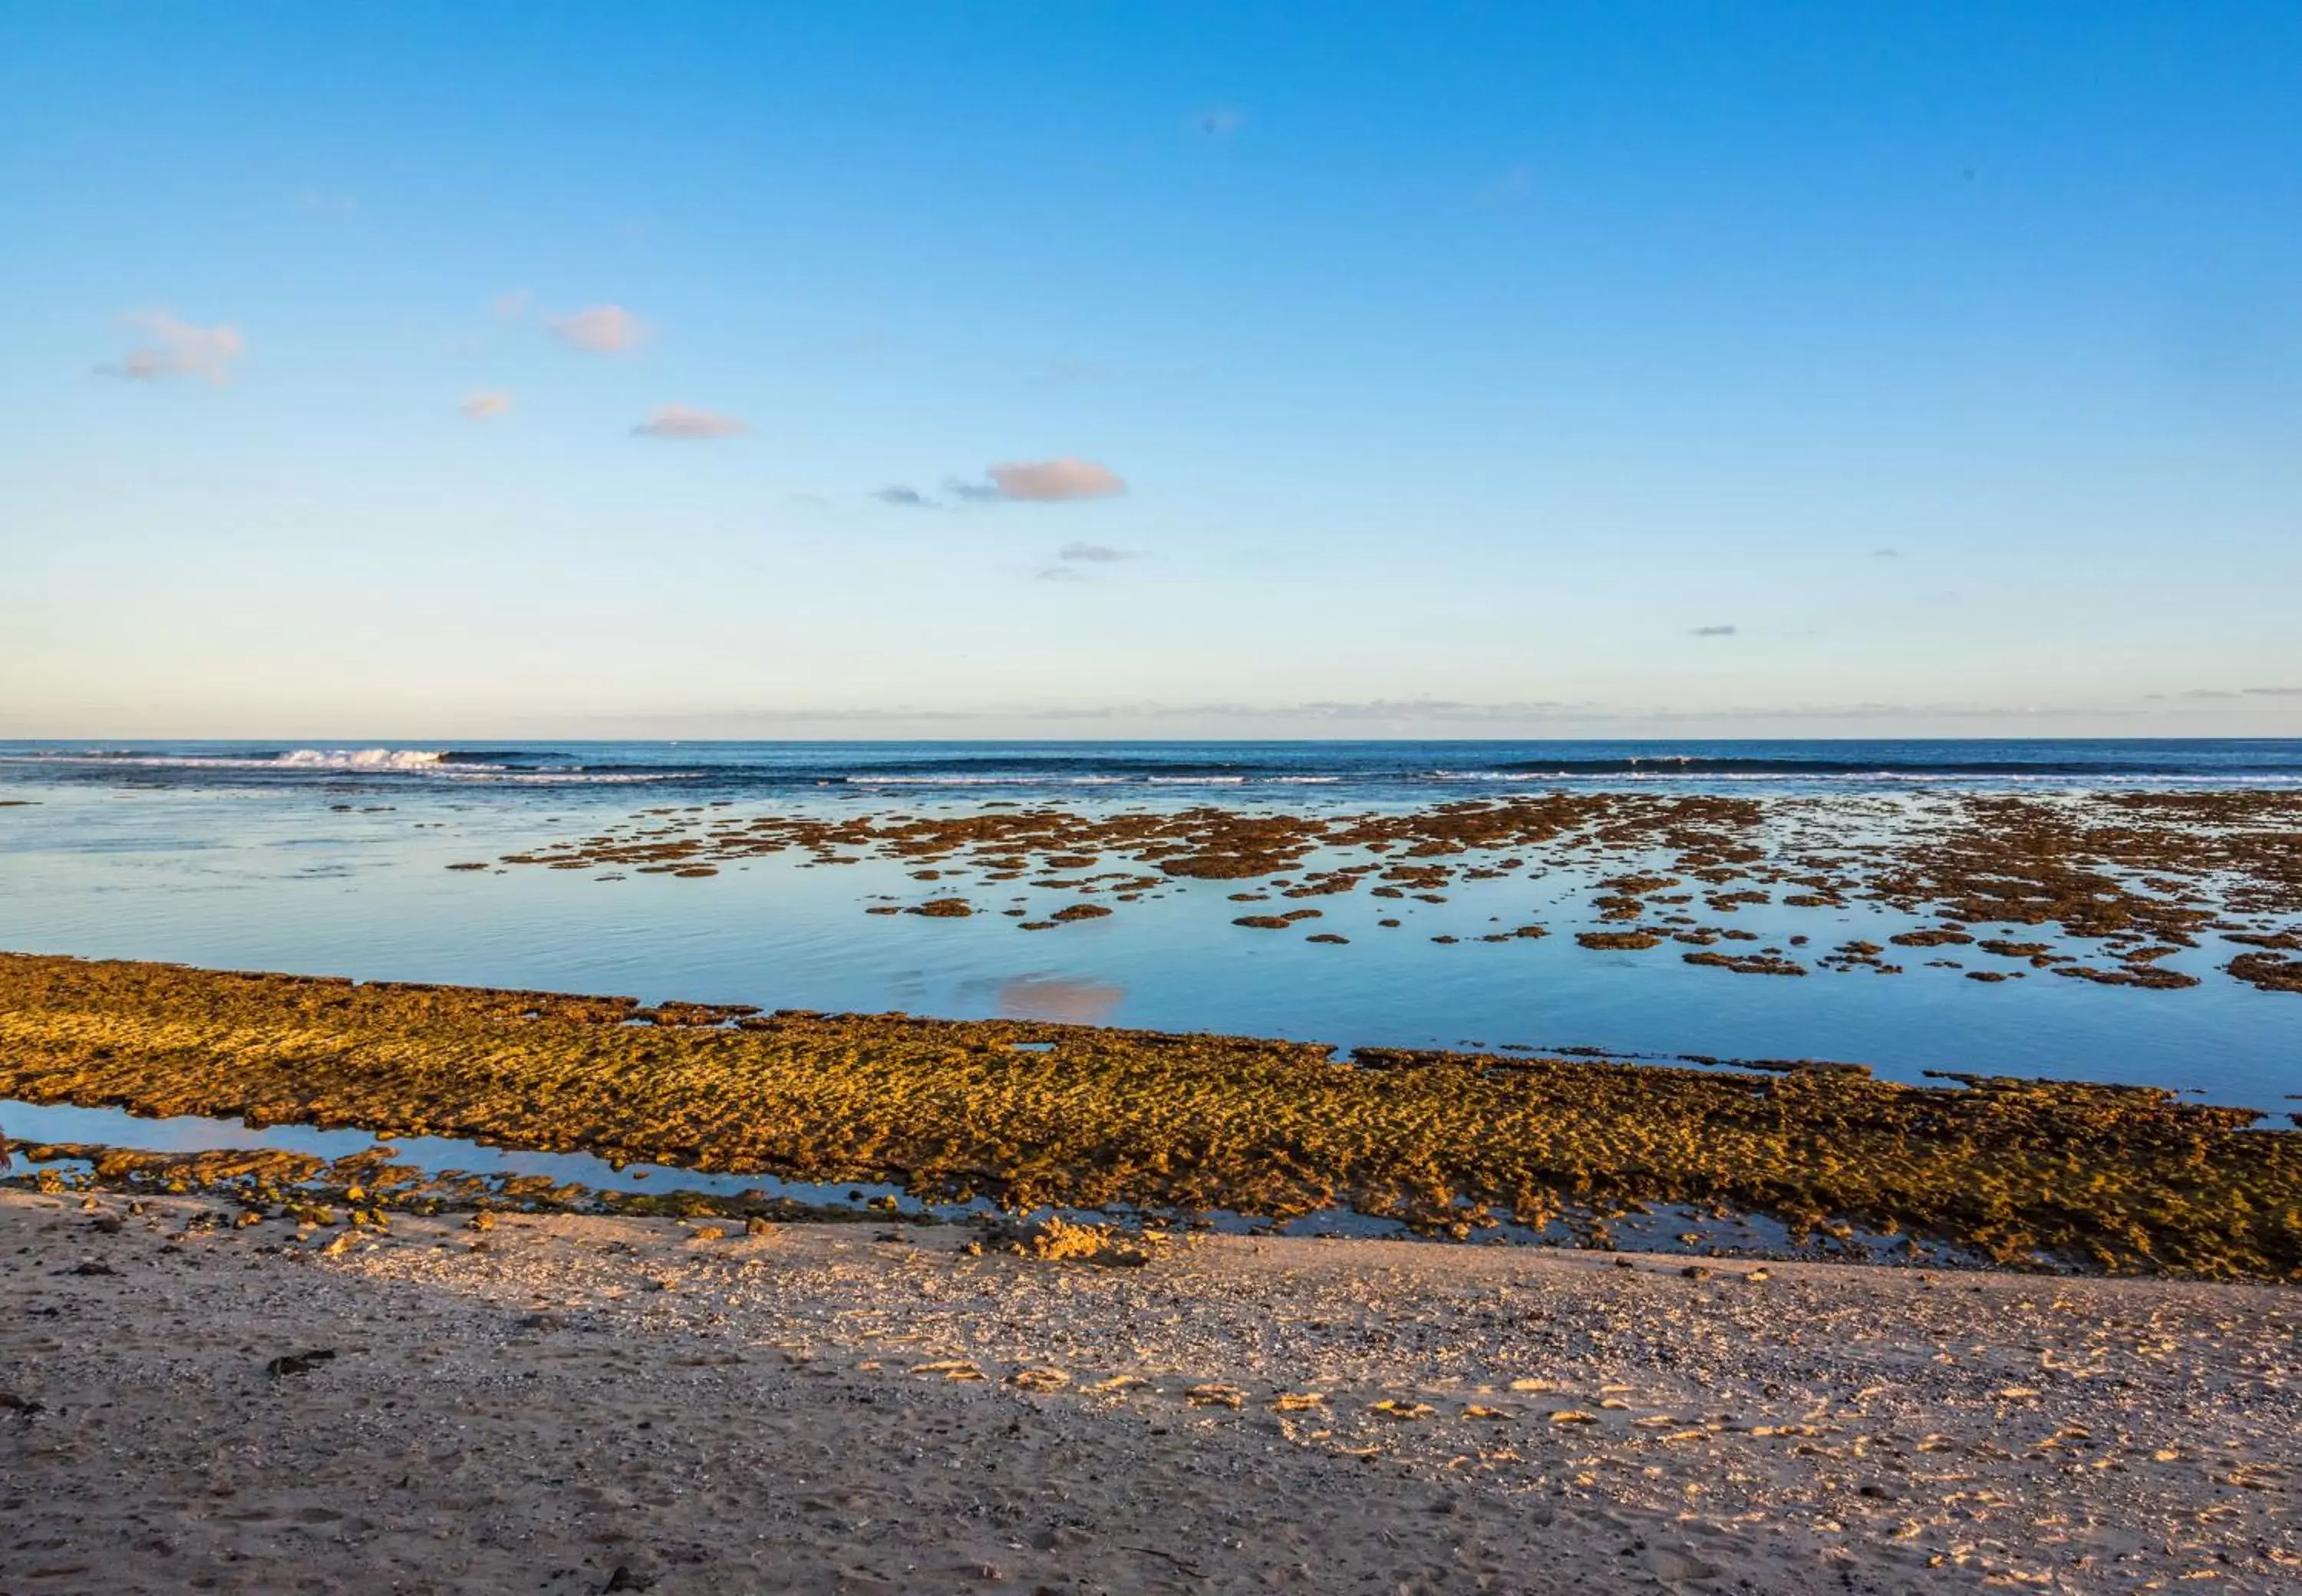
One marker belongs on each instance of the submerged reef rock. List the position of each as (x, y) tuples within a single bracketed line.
[(2128, 871), (1748, 963)]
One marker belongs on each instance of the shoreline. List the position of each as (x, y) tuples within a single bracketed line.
[(434, 1177), (534, 1406), (1033, 1113)]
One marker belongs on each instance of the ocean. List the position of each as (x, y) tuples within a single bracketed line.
[(1386, 772), (332, 857)]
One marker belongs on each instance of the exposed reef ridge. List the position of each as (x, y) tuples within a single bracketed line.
[(2123, 1179)]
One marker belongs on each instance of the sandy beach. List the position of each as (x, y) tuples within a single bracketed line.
[(564, 1404)]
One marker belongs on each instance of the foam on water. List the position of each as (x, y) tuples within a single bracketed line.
[(367, 759)]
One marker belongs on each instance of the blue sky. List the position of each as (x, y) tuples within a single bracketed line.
[(1510, 369)]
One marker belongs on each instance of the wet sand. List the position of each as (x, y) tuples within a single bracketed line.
[(563, 1404)]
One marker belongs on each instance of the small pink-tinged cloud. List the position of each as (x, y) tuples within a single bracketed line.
[(485, 404), (174, 348), (513, 305), (678, 421), (1046, 481), (602, 330)]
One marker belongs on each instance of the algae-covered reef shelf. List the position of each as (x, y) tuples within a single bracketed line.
[(2120, 1178)]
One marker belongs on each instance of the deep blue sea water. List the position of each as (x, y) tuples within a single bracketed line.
[(328, 857), (1419, 771)]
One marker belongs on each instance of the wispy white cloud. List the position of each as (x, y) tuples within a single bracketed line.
[(319, 202), (1095, 554), (1071, 557), (1882, 711), (1048, 482), (602, 330), (1712, 632), (513, 305), (679, 421), (485, 404), (174, 348)]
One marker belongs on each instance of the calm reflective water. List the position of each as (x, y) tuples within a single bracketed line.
[(330, 860)]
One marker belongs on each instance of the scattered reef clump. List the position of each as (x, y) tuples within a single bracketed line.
[(1748, 963), (1036, 1113), (943, 909), (2268, 972), (362, 1191), (2132, 876), (1056, 1239), (1619, 941)]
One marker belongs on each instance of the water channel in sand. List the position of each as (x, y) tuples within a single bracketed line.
[(1670, 1229)]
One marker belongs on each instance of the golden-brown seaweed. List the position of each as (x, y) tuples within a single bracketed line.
[(2124, 1177)]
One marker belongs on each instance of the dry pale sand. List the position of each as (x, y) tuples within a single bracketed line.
[(579, 1404)]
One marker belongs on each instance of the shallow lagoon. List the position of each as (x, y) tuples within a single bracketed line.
[(278, 875)]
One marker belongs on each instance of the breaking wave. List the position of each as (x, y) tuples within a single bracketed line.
[(365, 758), (515, 766)]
